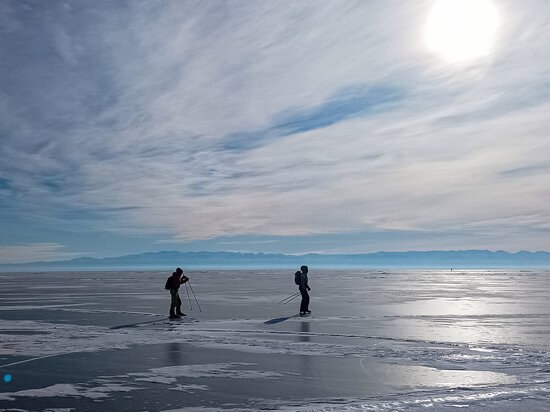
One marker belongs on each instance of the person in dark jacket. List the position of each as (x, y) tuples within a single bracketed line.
[(304, 288), (174, 282)]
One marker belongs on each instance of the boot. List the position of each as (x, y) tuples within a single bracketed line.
[(179, 312), (173, 315)]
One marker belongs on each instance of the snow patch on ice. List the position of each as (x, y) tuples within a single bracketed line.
[(59, 409), (509, 399), (13, 410), (157, 379), (211, 370), (67, 390), (51, 339), (40, 307), (203, 409), (189, 388)]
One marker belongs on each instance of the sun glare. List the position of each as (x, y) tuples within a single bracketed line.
[(462, 30)]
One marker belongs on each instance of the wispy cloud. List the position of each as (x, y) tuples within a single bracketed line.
[(535, 169), (196, 120), (39, 251)]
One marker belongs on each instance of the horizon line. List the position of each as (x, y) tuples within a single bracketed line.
[(270, 254)]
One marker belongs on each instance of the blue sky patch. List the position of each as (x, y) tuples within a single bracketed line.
[(349, 103), (5, 184)]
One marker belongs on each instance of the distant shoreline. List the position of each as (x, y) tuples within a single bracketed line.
[(167, 260), (147, 270)]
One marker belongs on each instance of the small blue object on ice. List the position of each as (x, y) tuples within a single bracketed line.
[(7, 378)]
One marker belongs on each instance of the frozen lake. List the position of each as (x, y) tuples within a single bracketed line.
[(376, 340)]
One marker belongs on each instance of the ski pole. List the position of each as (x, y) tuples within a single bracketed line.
[(188, 298), (292, 298), (289, 297), (196, 300)]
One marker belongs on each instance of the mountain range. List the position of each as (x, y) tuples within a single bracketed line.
[(235, 260)]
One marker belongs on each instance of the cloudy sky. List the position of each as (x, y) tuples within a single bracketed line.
[(273, 126)]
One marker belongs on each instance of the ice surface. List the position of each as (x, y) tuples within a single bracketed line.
[(377, 340)]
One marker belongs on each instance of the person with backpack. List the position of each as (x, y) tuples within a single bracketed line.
[(304, 288), (173, 284)]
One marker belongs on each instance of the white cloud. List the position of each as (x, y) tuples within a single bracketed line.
[(33, 252), (181, 79)]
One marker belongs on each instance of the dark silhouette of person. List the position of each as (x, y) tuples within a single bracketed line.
[(304, 288), (174, 282)]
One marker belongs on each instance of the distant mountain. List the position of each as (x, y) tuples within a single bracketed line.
[(230, 260)]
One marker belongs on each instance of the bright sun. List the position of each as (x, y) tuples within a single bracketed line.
[(462, 30)]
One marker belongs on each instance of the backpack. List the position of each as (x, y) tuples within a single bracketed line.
[(168, 284), (298, 278)]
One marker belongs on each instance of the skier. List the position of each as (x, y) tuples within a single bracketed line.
[(304, 288), (173, 284)]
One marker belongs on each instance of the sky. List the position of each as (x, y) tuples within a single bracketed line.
[(277, 127)]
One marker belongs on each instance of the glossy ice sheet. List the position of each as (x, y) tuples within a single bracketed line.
[(377, 340)]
